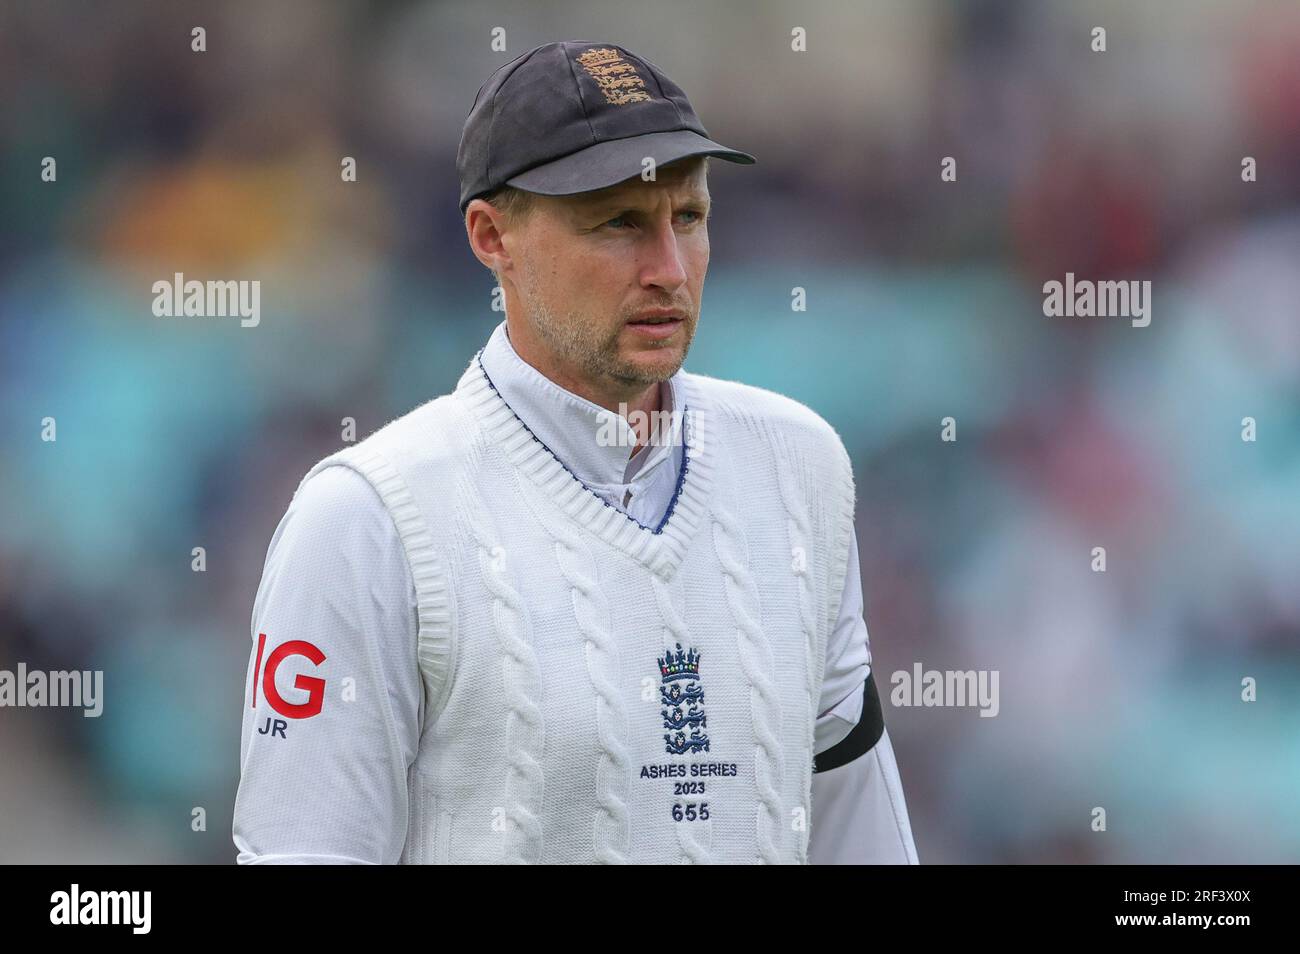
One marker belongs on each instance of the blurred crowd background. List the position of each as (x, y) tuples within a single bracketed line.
[(1119, 689)]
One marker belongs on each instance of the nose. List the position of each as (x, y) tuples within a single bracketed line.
[(662, 265)]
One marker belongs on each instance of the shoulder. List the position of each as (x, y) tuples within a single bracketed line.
[(334, 493), (431, 434), (768, 412), (331, 546), (423, 429), (336, 510)]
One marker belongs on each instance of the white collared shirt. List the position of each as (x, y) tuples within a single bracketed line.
[(313, 583), (573, 427)]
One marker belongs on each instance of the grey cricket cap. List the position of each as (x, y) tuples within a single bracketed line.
[(576, 116)]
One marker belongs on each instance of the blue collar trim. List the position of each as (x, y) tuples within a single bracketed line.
[(681, 477)]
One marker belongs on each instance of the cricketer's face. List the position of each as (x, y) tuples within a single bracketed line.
[(609, 281)]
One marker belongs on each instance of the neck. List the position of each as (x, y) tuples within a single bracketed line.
[(621, 397)]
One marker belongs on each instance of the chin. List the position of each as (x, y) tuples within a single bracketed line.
[(658, 365)]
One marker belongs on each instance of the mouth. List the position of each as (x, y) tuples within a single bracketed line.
[(656, 324)]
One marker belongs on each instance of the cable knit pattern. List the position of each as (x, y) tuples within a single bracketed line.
[(801, 535), (610, 830), (611, 825), (756, 661), (546, 613), (667, 598), (839, 496), (839, 488), (524, 728)]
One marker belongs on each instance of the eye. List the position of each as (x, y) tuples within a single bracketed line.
[(699, 216), (616, 221)]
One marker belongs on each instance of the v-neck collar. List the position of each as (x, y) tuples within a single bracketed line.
[(660, 548), (593, 441)]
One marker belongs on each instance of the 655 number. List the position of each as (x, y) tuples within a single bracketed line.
[(690, 811)]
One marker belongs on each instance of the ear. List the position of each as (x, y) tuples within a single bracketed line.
[(484, 229)]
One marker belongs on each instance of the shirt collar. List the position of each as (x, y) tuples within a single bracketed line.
[(590, 440)]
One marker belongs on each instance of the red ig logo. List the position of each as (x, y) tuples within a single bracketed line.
[(312, 685)]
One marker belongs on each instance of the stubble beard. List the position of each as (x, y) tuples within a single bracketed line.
[(592, 348)]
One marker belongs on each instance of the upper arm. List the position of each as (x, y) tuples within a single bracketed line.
[(849, 718), (332, 695), (859, 814)]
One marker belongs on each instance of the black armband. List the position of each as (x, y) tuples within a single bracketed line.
[(863, 738)]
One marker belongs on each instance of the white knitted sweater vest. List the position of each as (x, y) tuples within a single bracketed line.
[(600, 691)]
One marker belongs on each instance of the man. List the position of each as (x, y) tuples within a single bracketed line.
[(588, 607)]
